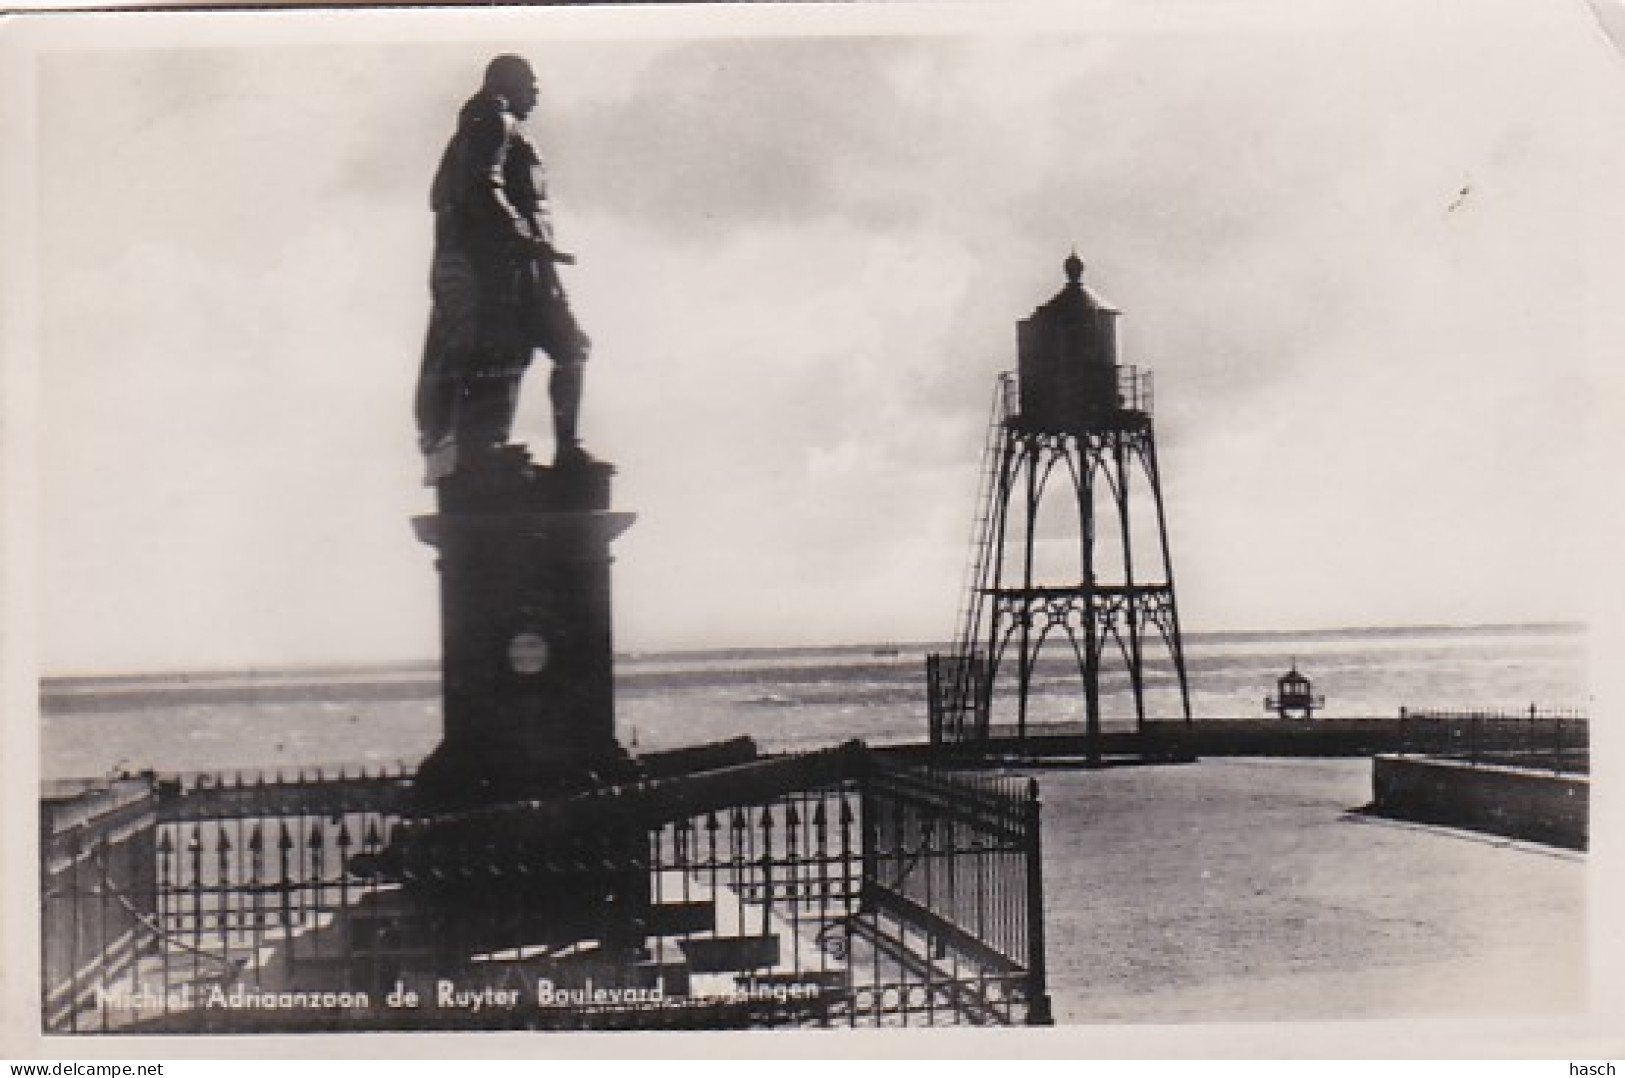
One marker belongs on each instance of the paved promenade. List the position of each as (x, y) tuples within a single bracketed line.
[(1237, 890)]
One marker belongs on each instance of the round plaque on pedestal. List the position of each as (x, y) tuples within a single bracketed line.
[(527, 653)]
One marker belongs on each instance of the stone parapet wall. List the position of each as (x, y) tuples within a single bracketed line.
[(1519, 803)]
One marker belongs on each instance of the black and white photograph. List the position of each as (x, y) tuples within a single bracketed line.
[(1088, 520)]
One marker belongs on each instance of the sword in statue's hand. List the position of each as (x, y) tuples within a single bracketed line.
[(544, 250)]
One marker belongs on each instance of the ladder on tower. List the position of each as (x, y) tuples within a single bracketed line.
[(959, 686), (975, 582)]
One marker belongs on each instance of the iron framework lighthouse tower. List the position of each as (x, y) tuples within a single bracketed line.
[(1070, 545)]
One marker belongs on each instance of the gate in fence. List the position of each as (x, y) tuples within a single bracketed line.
[(831, 889)]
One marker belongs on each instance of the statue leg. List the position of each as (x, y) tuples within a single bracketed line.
[(486, 403), (557, 332), (564, 389)]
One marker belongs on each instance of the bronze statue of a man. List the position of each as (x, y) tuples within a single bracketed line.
[(496, 290)]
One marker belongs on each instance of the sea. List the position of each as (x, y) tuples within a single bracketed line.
[(289, 720)]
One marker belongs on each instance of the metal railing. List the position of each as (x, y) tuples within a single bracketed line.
[(1134, 390), (957, 859), (957, 697), (830, 889), (1552, 739), (98, 891)]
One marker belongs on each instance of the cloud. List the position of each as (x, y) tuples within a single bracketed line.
[(801, 263), (718, 136)]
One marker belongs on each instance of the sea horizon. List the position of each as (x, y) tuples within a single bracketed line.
[(787, 699), (405, 667)]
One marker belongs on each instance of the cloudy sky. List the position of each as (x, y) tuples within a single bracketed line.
[(1366, 248)]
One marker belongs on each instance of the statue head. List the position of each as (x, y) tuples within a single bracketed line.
[(511, 77)]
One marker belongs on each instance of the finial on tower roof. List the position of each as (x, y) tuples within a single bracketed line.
[(1073, 266)]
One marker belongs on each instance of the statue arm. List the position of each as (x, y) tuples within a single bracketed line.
[(489, 136)]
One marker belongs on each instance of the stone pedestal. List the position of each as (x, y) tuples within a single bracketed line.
[(527, 648)]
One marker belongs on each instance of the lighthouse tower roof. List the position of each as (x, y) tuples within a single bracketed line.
[(1075, 301)]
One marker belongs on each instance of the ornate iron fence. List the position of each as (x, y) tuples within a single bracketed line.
[(97, 868), (831, 889)]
